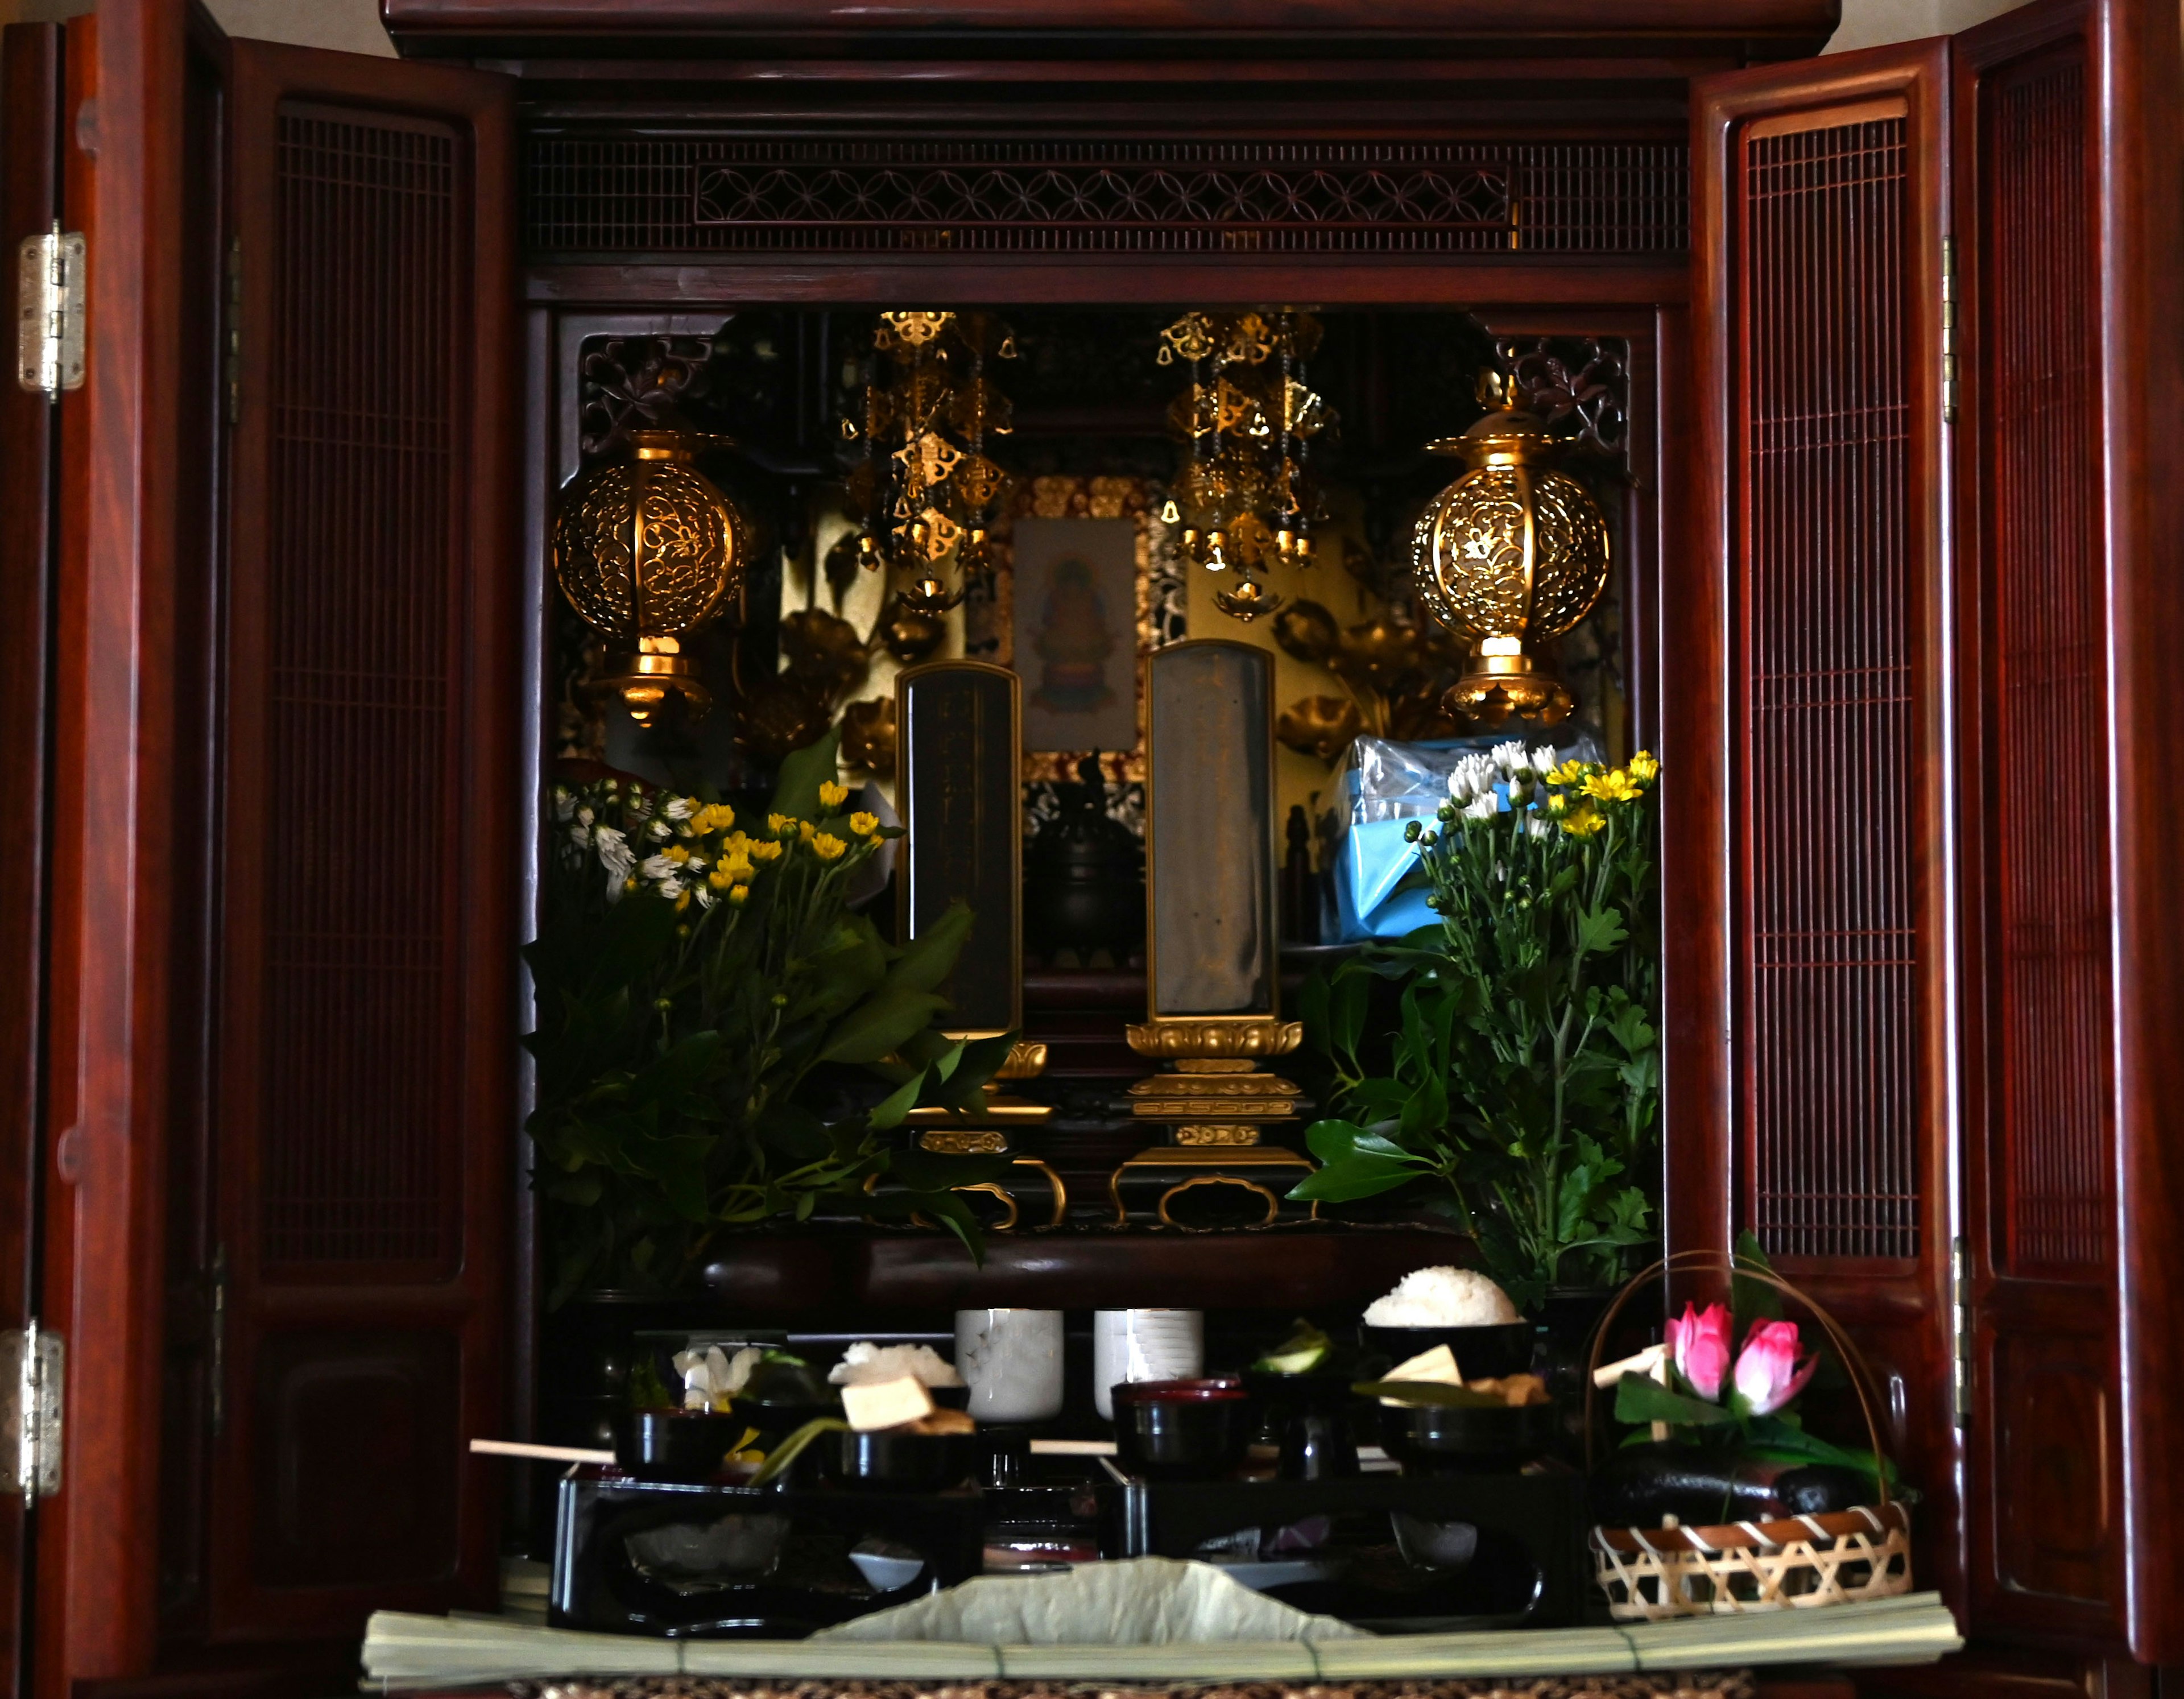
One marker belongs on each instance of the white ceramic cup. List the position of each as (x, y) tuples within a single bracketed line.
[(1012, 1362), (1143, 1344)]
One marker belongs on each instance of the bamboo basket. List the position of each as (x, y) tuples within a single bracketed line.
[(1798, 1563)]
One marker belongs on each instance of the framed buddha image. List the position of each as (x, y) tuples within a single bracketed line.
[(1087, 585)]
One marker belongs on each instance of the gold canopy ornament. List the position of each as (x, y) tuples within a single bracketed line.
[(1242, 494), (924, 489), (649, 551), (1512, 552)]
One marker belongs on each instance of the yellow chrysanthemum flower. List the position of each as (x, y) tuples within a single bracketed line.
[(1583, 821), (738, 896), (1571, 772), (1612, 787), (713, 817), (675, 852), (829, 847), (864, 825), (1558, 803), (805, 828), (1644, 768), (762, 851), (782, 825), (833, 795), (721, 876)]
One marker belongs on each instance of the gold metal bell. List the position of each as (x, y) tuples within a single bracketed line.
[(649, 551), (1512, 552)]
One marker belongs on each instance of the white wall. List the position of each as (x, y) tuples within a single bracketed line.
[(1868, 22)]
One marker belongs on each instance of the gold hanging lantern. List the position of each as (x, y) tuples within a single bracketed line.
[(1512, 552), (649, 551)]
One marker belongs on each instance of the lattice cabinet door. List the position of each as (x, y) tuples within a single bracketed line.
[(1814, 829), (1925, 1008), (365, 851), (2068, 1454)]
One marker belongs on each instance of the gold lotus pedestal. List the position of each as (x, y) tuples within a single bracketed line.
[(1216, 1102)]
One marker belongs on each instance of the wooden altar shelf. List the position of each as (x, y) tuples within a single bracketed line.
[(1735, 1684), (786, 1277)]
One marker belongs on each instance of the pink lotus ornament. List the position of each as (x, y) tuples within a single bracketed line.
[(1768, 1373), (1698, 1344)]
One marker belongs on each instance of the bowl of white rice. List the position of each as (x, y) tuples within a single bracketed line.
[(1458, 1307)]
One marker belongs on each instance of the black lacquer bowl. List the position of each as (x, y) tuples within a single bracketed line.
[(1182, 1430), (1485, 1353), (1466, 1439), (898, 1460), (676, 1445)]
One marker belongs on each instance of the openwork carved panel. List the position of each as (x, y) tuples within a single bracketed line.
[(623, 194)]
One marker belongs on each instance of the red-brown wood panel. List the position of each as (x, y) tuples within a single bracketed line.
[(30, 201), (366, 865), (2139, 80), (105, 1120), (2044, 1445), (1807, 836)]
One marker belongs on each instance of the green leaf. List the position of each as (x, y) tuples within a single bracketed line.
[(1357, 1163), (1638, 1398), (888, 1113), (1429, 1392), (1599, 931), (878, 1026), (796, 789), (927, 960)]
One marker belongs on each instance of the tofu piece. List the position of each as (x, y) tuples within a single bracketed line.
[(886, 1403), (1437, 1364)]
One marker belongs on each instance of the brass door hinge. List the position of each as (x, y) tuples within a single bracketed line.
[(1949, 329), (49, 307), (33, 1367), (234, 359), (1960, 1327)]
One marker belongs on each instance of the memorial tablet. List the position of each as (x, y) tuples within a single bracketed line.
[(960, 797), (1209, 831)]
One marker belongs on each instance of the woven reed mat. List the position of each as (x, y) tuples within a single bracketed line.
[(1711, 1684)]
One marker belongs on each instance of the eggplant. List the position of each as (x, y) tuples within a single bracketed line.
[(1643, 1485)]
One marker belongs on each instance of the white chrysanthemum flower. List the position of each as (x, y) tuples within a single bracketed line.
[(670, 889), (585, 816), (1484, 807), (1459, 787), (581, 835), (662, 830), (563, 802), (1543, 761), (1537, 827), (656, 867), (615, 853), (696, 864), (1508, 757), (680, 807)]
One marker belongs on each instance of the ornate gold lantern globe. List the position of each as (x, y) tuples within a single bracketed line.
[(1512, 553), (649, 551)]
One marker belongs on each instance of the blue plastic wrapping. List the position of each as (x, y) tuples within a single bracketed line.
[(1380, 786)]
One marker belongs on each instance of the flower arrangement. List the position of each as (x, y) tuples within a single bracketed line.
[(1693, 1391), (1523, 1077), (707, 1001)]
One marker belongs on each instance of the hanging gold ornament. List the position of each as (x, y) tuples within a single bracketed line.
[(924, 488), (1242, 496), (649, 551), (1512, 553)]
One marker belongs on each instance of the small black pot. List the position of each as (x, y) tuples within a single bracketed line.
[(1312, 1416), (897, 1460), (1466, 1439), (1481, 1353), (1182, 1430), (676, 1445)]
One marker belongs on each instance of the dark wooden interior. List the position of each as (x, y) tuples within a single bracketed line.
[(1901, 615)]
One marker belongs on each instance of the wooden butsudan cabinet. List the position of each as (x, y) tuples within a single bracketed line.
[(1918, 781)]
